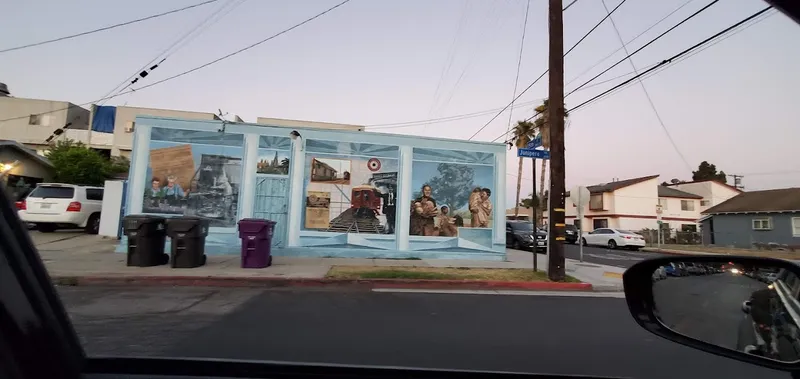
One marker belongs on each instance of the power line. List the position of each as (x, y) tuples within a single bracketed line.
[(406, 124), (662, 63), (647, 44), (646, 93), (519, 61), (201, 66), (631, 40), (166, 53), (569, 5), (106, 28), (546, 71)]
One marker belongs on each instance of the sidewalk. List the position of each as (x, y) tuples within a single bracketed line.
[(90, 259)]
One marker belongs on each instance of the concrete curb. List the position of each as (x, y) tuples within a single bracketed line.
[(677, 252), (210, 281)]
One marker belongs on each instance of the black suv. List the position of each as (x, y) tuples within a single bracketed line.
[(520, 235), (571, 233)]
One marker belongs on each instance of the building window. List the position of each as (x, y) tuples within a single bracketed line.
[(663, 203), (596, 202), (796, 226), (35, 119), (688, 228), (687, 205), (762, 224), (599, 223), (705, 203)]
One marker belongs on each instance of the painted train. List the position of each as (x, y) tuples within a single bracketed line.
[(365, 198)]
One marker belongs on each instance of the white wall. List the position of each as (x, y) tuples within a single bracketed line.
[(711, 191), (638, 199), (112, 204)]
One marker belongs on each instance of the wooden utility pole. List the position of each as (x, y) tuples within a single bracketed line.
[(534, 200), (555, 109)]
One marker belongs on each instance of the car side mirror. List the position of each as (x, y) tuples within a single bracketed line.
[(728, 308)]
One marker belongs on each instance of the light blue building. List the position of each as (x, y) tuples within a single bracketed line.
[(333, 193)]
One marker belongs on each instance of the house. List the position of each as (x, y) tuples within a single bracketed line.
[(712, 191), (632, 204), (755, 219), (360, 207), (32, 121), (21, 169)]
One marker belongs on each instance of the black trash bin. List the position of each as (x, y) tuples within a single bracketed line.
[(188, 241), (146, 238)]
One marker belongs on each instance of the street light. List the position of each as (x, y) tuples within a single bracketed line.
[(295, 135)]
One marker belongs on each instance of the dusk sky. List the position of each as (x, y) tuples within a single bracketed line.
[(373, 62)]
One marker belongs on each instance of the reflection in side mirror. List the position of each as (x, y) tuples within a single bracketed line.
[(744, 308)]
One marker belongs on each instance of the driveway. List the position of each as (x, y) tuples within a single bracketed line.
[(70, 240)]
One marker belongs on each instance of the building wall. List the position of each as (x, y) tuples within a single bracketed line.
[(639, 199), (123, 140), (736, 230), (162, 144), (675, 216), (34, 136), (713, 193), (279, 122)]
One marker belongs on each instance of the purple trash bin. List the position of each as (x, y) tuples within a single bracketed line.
[(256, 236)]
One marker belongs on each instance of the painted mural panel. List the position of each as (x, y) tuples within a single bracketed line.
[(449, 196), (273, 155), (194, 173), (350, 193)]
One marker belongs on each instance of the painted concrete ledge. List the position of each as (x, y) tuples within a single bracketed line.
[(211, 281)]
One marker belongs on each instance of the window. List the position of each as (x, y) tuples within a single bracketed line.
[(705, 203), (762, 224), (94, 194), (39, 119), (599, 223), (796, 226), (596, 202), (687, 205), (48, 192), (663, 203), (688, 228)]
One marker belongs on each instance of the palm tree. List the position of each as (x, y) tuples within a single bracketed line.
[(524, 131), (543, 126)]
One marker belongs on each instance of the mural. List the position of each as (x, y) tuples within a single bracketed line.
[(450, 196), (194, 179), (272, 162), (351, 194), (332, 171)]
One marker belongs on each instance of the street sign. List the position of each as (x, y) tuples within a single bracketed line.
[(531, 153), (536, 142), (579, 196)]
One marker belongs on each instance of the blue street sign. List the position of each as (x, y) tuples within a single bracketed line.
[(536, 142), (531, 153)]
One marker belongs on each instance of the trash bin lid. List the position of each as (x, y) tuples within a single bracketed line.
[(185, 224)]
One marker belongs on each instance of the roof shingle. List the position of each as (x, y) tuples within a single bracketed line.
[(672, 192), (785, 199)]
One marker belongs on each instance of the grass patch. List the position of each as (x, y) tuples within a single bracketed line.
[(782, 254), (435, 273)]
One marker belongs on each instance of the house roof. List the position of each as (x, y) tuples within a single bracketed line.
[(21, 148), (777, 200), (708, 180), (613, 186), (664, 191)]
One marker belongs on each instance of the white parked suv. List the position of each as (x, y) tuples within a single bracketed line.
[(51, 206)]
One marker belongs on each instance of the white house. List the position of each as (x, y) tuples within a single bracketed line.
[(632, 204)]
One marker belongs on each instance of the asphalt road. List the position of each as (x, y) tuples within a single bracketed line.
[(563, 335), (605, 256), (706, 307)]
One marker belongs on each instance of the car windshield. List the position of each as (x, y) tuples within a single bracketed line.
[(52, 192), (329, 181)]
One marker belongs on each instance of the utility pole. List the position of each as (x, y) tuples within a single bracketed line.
[(737, 181), (534, 224), (555, 110)]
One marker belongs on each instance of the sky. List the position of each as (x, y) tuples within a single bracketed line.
[(388, 62)]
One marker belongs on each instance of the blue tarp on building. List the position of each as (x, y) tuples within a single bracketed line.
[(103, 120)]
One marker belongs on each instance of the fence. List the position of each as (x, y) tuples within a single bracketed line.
[(671, 237), (755, 241)]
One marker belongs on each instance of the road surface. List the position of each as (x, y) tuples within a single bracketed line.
[(706, 307), (564, 335), (605, 256)]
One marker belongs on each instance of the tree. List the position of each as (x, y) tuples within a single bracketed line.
[(524, 132), (75, 163), (543, 126), (708, 171), (530, 201), (453, 185)]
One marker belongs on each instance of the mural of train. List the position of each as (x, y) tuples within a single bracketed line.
[(365, 200)]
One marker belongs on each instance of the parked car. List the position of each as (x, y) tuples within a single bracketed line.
[(520, 235), (613, 238), (571, 233), (52, 205), (660, 273)]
